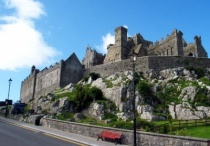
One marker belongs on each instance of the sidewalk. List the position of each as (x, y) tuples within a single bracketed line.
[(58, 133)]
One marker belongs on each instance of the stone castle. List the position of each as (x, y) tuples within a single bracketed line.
[(171, 52)]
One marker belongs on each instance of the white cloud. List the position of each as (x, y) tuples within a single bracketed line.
[(26, 8), (106, 40), (21, 45), (125, 26)]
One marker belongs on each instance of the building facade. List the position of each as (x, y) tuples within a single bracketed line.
[(173, 45), (39, 83), (171, 52)]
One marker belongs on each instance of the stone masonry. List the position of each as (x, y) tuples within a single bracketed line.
[(171, 52), (142, 138), (39, 83)]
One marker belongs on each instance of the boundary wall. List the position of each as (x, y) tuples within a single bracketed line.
[(142, 138), (146, 63)]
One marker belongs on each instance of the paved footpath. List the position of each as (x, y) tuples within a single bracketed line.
[(71, 136)]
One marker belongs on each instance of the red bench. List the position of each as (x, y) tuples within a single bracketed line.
[(110, 135)]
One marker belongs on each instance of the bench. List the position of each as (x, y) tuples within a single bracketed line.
[(110, 135)]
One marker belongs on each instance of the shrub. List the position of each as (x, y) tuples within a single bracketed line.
[(108, 83), (122, 125), (65, 116), (205, 80), (198, 71), (70, 95), (143, 124), (26, 109), (110, 116), (84, 95), (201, 98), (95, 93), (145, 90)]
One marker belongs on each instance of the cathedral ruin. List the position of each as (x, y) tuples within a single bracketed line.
[(172, 45), (171, 52)]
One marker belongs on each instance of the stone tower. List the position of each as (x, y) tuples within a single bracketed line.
[(178, 46), (120, 43), (117, 51), (199, 50)]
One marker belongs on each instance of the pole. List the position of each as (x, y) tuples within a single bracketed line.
[(9, 88), (134, 107), (7, 102)]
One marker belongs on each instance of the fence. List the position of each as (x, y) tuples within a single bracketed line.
[(175, 125)]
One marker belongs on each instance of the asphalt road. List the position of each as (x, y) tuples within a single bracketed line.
[(14, 135)]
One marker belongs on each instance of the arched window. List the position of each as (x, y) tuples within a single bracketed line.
[(191, 54)]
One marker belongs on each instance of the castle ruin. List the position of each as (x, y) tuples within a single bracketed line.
[(38, 83), (172, 45), (171, 52)]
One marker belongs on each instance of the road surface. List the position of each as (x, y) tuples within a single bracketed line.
[(14, 135)]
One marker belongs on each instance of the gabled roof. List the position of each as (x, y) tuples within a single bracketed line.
[(73, 56)]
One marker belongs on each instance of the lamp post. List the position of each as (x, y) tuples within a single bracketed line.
[(133, 57), (7, 101)]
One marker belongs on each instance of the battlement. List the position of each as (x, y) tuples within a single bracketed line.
[(46, 70), (174, 35), (171, 52), (146, 64)]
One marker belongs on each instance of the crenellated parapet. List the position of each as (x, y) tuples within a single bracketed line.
[(171, 52), (170, 46), (92, 57), (39, 83), (49, 69)]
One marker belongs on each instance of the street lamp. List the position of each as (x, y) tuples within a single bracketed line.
[(133, 57), (7, 101)]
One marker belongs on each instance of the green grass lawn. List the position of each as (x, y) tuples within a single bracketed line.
[(200, 132)]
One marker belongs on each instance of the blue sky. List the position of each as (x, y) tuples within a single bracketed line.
[(42, 32)]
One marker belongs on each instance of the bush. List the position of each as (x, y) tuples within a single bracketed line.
[(205, 80), (144, 89), (95, 93), (198, 71), (110, 116), (84, 95), (65, 116), (71, 95), (143, 124), (108, 83), (122, 125), (201, 98)]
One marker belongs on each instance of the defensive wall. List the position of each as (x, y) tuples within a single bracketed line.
[(48, 79), (142, 138), (28, 87), (171, 46), (39, 83), (144, 64)]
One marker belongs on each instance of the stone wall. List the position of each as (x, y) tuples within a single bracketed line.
[(196, 49), (71, 71), (48, 80), (143, 138), (171, 46), (92, 58), (146, 63), (39, 83), (28, 86)]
